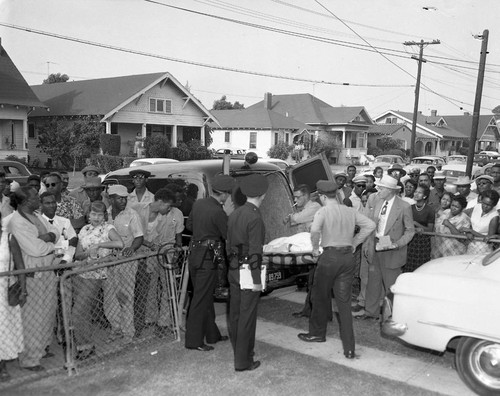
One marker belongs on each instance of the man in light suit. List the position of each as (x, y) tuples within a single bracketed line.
[(394, 231)]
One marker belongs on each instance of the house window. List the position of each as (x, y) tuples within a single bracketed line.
[(276, 138), (253, 140), (227, 137), (353, 139), (361, 140), (114, 128), (31, 131), (160, 105), (287, 138)]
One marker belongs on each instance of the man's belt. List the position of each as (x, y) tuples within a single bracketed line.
[(205, 242), (340, 249)]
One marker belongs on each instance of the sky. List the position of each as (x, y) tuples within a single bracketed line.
[(243, 49)]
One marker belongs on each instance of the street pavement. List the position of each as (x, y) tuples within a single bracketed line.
[(427, 376)]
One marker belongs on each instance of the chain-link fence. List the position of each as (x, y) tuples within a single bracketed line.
[(78, 314)]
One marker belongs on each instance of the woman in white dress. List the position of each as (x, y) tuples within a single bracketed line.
[(484, 220), (11, 328)]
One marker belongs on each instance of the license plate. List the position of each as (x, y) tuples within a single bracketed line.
[(274, 276)]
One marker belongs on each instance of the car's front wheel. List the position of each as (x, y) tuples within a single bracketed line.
[(478, 364)]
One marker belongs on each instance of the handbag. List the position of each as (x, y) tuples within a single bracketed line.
[(13, 291)]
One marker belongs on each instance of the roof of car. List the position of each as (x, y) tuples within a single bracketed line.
[(210, 167)]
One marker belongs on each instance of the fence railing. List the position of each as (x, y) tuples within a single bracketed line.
[(77, 314)]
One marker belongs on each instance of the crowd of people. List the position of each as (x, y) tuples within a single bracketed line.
[(45, 225), (405, 208), (371, 227)]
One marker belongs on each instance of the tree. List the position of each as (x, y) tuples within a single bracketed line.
[(157, 146), (56, 78), (496, 110), (223, 104), (65, 140), (280, 151), (327, 144)]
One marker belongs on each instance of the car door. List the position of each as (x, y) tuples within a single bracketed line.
[(310, 171)]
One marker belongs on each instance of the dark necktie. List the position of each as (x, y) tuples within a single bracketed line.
[(382, 215), (51, 221), (384, 209)]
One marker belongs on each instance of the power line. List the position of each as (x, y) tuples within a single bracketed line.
[(206, 65)]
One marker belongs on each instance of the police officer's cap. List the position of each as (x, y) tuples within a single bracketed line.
[(254, 185), (223, 183), (326, 186), (136, 172)]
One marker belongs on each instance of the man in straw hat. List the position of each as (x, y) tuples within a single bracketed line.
[(246, 232), (208, 222), (94, 190), (335, 225), (394, 231), (463, 184)]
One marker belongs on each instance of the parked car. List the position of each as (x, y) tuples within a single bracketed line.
[(452, 159), (15, 171), (151, 161), (278, 203), (235, 153), (494, 154), (483, 159), (450, 303), (424, 162), (453, 171), (385, 161)]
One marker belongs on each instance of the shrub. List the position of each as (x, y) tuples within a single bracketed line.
[(181, 152), (280, 151), (157, 146), (110, 144), (325, 144)]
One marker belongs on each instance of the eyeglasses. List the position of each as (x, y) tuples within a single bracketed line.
[(139, 176), (51, 184)]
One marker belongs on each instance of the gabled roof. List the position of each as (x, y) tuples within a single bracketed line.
[(14, 88), (311, 110), (102, 96), (255, 118), (454, 126), (384, 129)]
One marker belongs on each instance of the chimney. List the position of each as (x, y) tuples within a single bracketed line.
[(268, 100), (434, 113)]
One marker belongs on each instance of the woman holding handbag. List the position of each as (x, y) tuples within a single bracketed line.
[(11, 330)]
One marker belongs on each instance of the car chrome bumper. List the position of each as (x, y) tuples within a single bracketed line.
[(389, 326)]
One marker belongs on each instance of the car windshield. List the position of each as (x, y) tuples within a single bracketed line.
[(426, 161), (453, 173)]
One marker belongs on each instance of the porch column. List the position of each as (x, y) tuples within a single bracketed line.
[(202, 135), (174, 136), (143, 131), (343, 139), (108, 127), (25, 134)]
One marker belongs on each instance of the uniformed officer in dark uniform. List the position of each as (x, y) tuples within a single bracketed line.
[(208, 222), (246, 233)]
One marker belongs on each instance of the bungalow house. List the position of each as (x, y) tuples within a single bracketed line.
[(346, 125), (255, 129), (133, 107), (17, 101), (439, 135)]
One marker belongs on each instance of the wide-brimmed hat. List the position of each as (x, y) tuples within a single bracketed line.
[(485, 177), (463, 181), (341, 174), (93, 182), (388, 182), (439, 175), (396, 167)]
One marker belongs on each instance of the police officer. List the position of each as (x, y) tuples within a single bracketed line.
[(208, 222), (246, 233), (334, 224)]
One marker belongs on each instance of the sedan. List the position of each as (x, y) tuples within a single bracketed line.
[(450, 303), (15, 171)]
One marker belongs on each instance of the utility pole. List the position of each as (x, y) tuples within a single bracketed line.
[(477, 102), (420, 60)]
